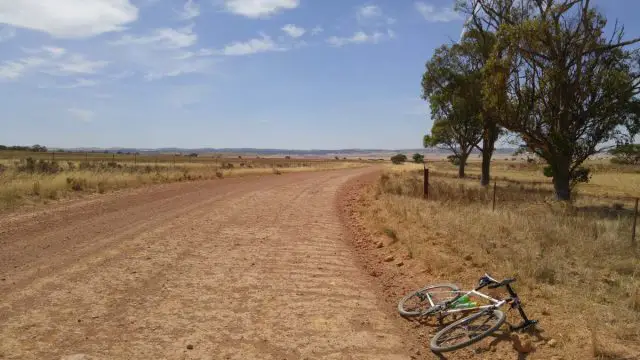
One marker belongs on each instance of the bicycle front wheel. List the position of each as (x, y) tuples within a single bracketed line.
[(417, 303), (467, 331)]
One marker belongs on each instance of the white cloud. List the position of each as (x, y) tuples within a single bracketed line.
[(294, 31), (259, 8), (253, 46), (317, 30), (52, 61), (12, 70), (361, 37), (191, 10), (77, 64), (7, 33), (433, 14), (78, 83), (68, 18), (372, 15), (176, 68), (368, 12), (162, 38), (55, 52), (81, 114)]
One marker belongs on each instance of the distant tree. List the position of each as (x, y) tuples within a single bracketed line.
[(287, 157), (399, 159), (451, 85), (3, 147), (193, 155), (626, 154), (418, 158), (38, 148)]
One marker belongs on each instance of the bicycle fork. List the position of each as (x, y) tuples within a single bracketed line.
[(516, 304)]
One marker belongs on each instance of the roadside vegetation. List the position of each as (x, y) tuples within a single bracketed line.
[(25, 180), (576, 269)]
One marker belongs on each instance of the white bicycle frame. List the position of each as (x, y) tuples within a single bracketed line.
[(494, 302)]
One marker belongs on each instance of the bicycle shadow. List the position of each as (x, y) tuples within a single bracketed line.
[(503, 336)]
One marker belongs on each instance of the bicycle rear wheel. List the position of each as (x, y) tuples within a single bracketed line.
[(467, 331), (417, 303)]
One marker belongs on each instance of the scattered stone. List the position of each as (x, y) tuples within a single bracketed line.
[(189, 347), (546, 312), (400, 263), (468, 257), (374, 273), (389, 258), (552, 342), (522, 343), (379, 245)]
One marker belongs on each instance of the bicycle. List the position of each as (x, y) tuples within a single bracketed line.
[(446, 299)]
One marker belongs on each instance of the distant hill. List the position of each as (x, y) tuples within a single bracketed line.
[(272, 152)]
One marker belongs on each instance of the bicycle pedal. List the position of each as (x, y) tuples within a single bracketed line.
[(524, 326)]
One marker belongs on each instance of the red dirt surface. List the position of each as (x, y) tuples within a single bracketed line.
[(253, 268)]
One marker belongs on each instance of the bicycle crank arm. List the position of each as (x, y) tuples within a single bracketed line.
[(524, 325)]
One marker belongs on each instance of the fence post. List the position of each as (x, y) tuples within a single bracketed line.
[(495, 187), (135, 159), (86, 157), (53, 156), (633, 231), (426, 182)]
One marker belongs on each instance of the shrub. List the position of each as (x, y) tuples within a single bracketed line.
[(85, 165), (454, 159), (36, 188), (626, 154), (418, 158), (277, 172), (77, 184), (579, 175), (102, 187), (399, 159), (219, 174)]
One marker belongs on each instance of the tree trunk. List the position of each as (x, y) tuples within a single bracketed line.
[(561, 179), (487, 153), (463, 163), (488, 147)]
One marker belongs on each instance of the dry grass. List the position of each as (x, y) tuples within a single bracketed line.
[(18, 188), (577, 272), (608, 180)]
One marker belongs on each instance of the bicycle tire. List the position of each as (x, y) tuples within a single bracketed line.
[(437, 348), (408, 313)]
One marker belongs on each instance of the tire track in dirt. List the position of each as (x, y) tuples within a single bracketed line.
[(251, 269)]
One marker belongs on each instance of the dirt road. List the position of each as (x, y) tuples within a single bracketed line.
[(254, 268)]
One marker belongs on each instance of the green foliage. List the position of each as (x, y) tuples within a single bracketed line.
[(559, 81), (577, 176), (418, 158), (626, 154), (454, 159), (399, 159), (34, 148)]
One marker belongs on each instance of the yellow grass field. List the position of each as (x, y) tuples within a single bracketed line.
[(21, 185), (577, 271)]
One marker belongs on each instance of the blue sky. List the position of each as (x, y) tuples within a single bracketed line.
[(224, 73)]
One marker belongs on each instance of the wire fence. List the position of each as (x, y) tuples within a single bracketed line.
[(491, 194)]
